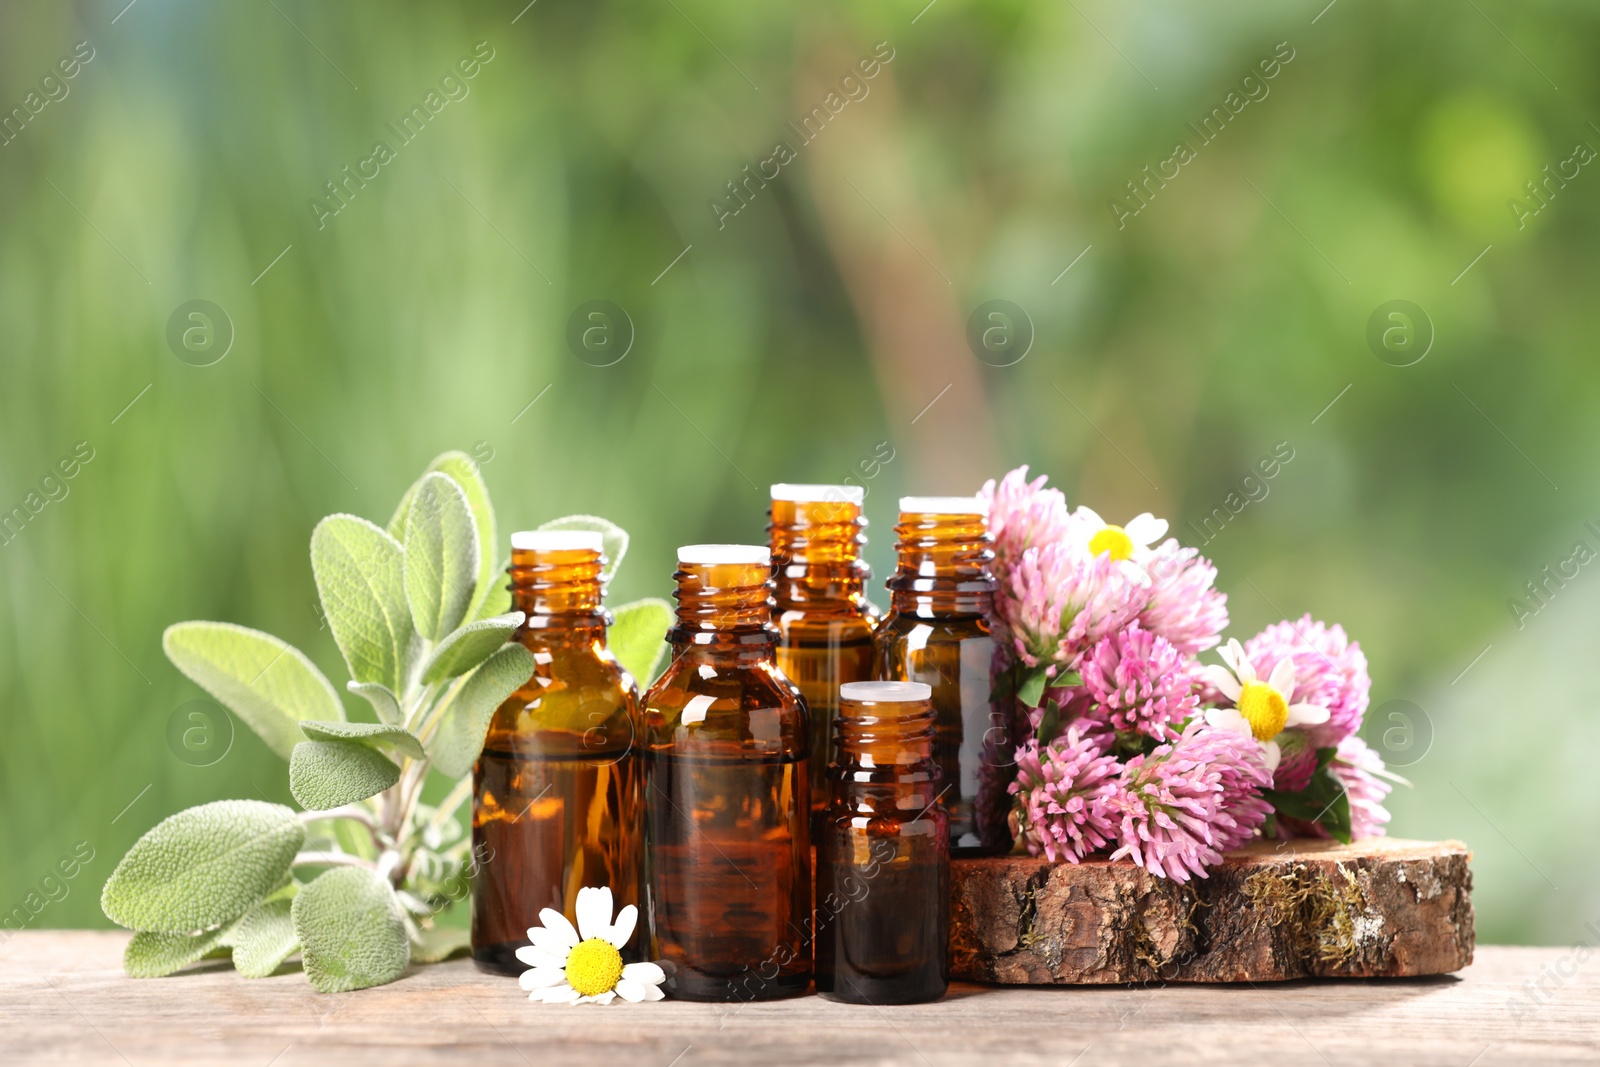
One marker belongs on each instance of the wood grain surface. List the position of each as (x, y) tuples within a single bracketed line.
[(64, 1000)]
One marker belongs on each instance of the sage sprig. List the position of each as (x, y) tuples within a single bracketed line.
[(356, 880)]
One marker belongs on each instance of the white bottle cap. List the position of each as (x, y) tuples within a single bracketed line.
[(712, 555), (557, 540), (886, 692), (944, 505), (809, 494)]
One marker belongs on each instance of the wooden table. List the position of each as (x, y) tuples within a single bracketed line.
[(63, 999)]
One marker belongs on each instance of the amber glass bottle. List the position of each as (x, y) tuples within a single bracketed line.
[(937, 631), (883, 852), (727, 736), (824, 618), (559, 788)]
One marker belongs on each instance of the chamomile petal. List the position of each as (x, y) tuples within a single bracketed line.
[(551, 942), (534, 956), (1271, 754), (560, 994), (649, 973), (622, 929), (557, 923), (594, 911), (1228, 719), (1224, 681), (1282, 677), (1307, 714), (1145, 529), (541, 978), (629, 990)]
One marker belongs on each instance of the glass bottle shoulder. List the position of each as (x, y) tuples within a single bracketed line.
[(737, 710)]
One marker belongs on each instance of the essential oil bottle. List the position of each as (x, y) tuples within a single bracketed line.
[(824, 618), (727, 739), (558, 798), (883, 852), (937, 632)]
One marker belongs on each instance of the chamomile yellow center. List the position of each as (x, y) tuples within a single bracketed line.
[(594, 967), (1264, 708), (1114, 540)]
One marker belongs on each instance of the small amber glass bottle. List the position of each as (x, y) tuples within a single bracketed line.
[(937, 631), (883, 853), (727, 737), (559, 789), (824, 618)]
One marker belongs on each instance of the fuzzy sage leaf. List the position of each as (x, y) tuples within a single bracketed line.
[(395, 740), (360, 573), (384, 703), (456, 743), (328, 774), (613, 538), (441, 556), (268, 683), (263, 939), (153, 955), (460, 467), (469, 646), (351, 930), (204, 866), (638, 637)]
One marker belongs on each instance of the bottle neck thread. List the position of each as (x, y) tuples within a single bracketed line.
[(885, 740), (944, 565), (558, 588), (816, 553), (724, 604)]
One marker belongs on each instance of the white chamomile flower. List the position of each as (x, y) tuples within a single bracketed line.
[(1132, 541), (1261, 709), (569, 969)]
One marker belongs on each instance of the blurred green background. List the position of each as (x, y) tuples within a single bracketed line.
[(1221, 314)]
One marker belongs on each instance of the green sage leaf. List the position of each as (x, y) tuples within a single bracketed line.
[(269, 684), (382, 699), (440, 943), (204, 866), (351, 930), (456, 743), (638, 637), (264, 938), (613, 537), (155, 955), (360, 573), (441, 556), (497, 598), (391, 739), (466, 474), (329, 774), (469, 646)]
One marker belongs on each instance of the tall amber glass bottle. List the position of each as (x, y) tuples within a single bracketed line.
[(937, 631), (883, 852), (824, 618), (729, 855), (559, 789)]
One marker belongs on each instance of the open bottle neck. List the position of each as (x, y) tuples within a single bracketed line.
[(816, 555), (885, 742), (560, 591), (724, 610), (944, 565)]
